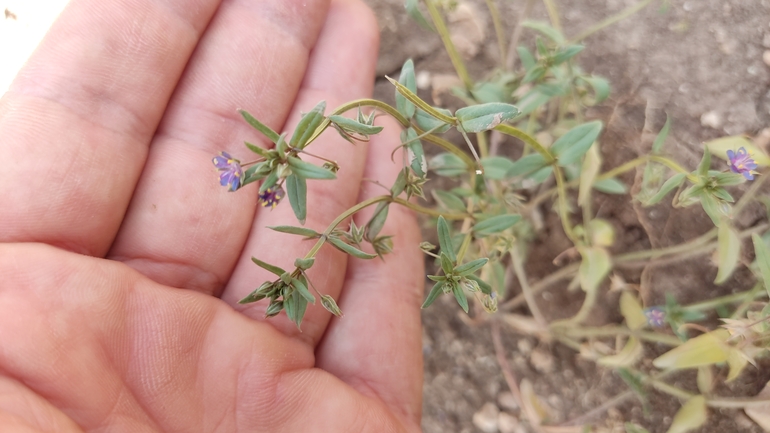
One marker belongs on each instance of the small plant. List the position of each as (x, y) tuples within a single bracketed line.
[(486, 220)]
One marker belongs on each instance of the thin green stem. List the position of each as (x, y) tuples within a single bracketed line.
[(612, 331), (553, 14), (451, 148), (454, 56), (481, 139), (563, 205), (498, 25), (611, 20), (356, 104), (429, 211), (527, 139), (521, 275), (725, 300)]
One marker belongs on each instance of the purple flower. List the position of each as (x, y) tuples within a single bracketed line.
[(741, 162), (231, 172), (656, 317), (271, 196)]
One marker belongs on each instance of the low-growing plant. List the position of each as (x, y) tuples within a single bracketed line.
[(486, 219)]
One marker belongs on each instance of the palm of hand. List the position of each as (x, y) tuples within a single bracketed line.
[(110, 129)]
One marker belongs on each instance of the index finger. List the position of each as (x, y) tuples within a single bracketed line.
[(77, 120)]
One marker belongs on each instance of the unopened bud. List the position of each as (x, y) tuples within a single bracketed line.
[(274, 308), (331, 306)]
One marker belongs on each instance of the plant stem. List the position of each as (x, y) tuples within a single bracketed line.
[(521, 275), (517, 34), (724, 300), (553, 14), (527, 139), (495, 13), (451, 148), (563, 205), (612, 331), (611, 20), (454, 56)]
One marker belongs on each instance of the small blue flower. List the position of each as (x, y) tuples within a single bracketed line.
[(741, 162), (231, 171), (271, 196), (656, 317)]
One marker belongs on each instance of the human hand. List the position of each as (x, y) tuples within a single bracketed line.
[(118, 241)]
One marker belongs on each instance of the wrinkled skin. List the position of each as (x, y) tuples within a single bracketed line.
[(122, 259)]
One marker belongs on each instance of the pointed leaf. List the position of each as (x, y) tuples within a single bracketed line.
[(672, 183), (600, 85), (610, 186), (354, 125), (349, 249), (483, 117), (261, 127), (595, 266), (308, 170), (591, 165), (495, 224), (460, 296), (448, 164), (470, 267), (307, 125), (632, 311), (445, 239), (657, 145), (760, 413), (302, 290), (374, 226), (545, 29), (571, 146), (267, 266), (728, 251), (691, 416), (527, 165), (407, 79), (296, 189), (449, 200), (302, 231), (627, 357), (705, 349), (434, 292)]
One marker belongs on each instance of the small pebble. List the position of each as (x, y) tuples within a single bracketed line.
[(766, 57), (507, 401), (507, 423), (524, 346), (711, 119), (542, 361), (485, 419)]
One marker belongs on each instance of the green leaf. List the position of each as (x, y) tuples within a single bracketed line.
[(449, 200), (588, 172), (296, 189), (657, 145), (255, 173), (256, 149), (307, 125), (426, 122), (610, 186), (349, 249), (729, 179), (728, 251), (763, 260), (415, 153), (447, 164), (308, 170), (672, 183), (496, 167), (261, 127), (269, 181), (302, 290), (447, 265), (711, 206), (267, 266), (399, 184), (595, 266), (414, 99), (541, 175), (460, 296), (374, 226), (627, 357), (434, 292), (302, 231), (483, 117), (413, 11), (445, 239), (600, 85), (720, 146), (527, 165), (531, 101), (354, 125), (571, 146), (534, 74), (546, 30), (705, 349), (692, 415), (705, 163), (527, 59), (632, 311), (566, 54), (470, 267), (407, 79), (495, 224)]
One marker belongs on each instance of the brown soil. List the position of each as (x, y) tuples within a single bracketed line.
[(692, 59)]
